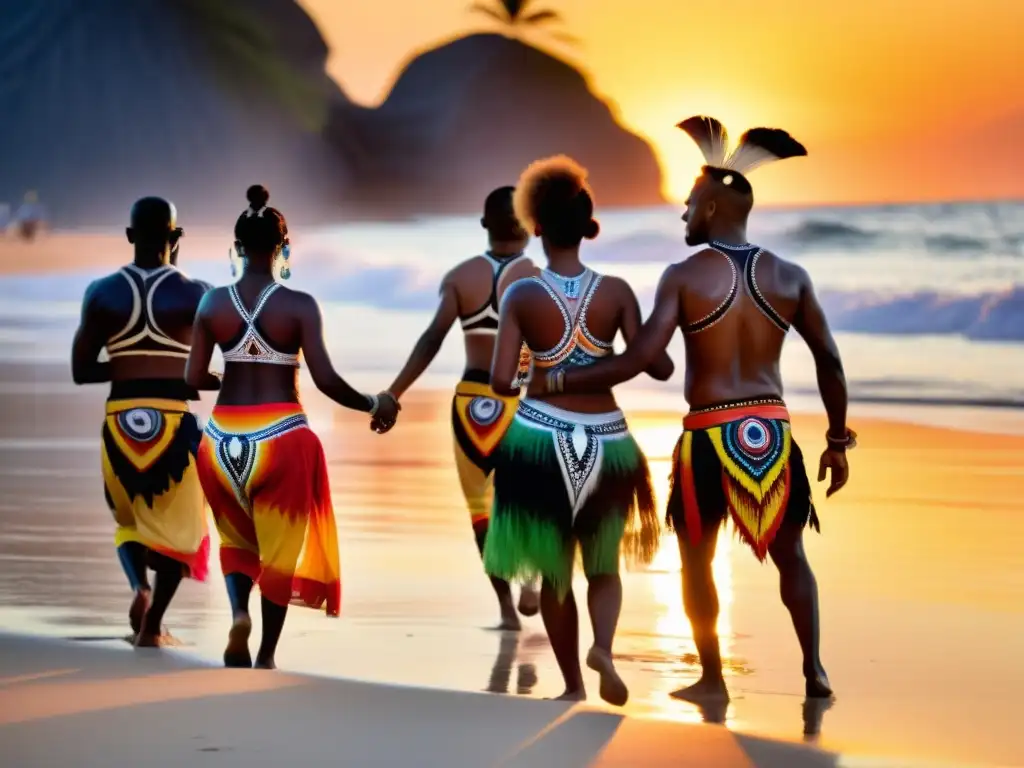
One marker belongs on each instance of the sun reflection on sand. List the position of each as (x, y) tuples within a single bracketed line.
[(671, 631)]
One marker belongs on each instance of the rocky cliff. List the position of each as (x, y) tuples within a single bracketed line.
[(108, 100), (468, 116)]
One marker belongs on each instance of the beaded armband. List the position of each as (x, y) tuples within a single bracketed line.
[(847, 442)]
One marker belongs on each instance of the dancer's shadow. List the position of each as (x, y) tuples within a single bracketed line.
[(501, 672)]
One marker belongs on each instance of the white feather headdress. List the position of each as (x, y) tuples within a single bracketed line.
[(755, 148)]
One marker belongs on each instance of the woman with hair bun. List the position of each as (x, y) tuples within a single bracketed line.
[(261, 467), (568, 473)]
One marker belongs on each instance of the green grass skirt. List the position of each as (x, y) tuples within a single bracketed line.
[(532, 531)]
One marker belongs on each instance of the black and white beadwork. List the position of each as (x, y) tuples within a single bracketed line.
[(142, 424)]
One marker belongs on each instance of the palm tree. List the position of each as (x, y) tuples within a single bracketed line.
[(513, 15)]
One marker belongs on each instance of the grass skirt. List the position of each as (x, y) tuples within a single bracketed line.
[(562, 479)]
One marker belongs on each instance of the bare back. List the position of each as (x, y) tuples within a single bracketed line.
[(737, 304), (565, 333), (279, 323), (145, 320), (478, 284)]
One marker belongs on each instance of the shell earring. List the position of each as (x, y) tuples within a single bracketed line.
[(286, 253), (235, 257)]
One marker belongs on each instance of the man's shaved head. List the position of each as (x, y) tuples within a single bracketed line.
[(152, 216), (153, 224), (499, 217)]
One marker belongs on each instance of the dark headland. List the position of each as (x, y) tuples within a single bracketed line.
[(195, 100)]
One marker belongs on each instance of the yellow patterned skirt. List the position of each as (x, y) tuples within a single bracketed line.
[(740, 459), (151, 482), (480, 418)]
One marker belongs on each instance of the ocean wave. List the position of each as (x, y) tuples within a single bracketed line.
[(959, 244), (808, 237), (827, 232), (988, 316)]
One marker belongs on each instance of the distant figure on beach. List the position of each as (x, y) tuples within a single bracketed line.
[(30, 217), (143, 314), (261, 466), (470, 293), (734, 303), (568, 471)]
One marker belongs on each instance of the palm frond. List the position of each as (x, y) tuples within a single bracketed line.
[(514, 8), (566, 38), (242, 50), (489, 11), (539, 17)]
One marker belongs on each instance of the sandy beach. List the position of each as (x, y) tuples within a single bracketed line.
[(63, 703), (918, 566)]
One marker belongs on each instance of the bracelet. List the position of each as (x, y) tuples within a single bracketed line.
[(554, 381), (847, 442), (374, 403)]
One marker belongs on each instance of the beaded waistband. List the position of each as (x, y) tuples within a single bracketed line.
[(723, 413)]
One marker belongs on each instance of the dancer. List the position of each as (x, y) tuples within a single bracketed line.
[(30, 217), (734, 303), (470, 293), (568, 471), (142, 314), (261, 466)]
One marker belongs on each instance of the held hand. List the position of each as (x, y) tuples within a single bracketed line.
[(387, 413), (551, 383), (836, 461)]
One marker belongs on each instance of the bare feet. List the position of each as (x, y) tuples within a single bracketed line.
[(265, 664), (612, 689), (703, 691), (529, 600), (578, 695), (236, 654), (147, 640), (818, 687), (150, 640), (137, 611)]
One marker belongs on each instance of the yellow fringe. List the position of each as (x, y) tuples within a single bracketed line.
[(758, 518)]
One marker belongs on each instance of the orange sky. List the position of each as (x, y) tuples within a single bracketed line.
[(895, 99)]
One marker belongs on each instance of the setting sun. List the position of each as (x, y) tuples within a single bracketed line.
[(894, 100)]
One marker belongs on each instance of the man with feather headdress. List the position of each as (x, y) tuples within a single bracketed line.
[(734, 303)]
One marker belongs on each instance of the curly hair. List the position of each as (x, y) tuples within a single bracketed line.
[(554, 199), (260, 229)]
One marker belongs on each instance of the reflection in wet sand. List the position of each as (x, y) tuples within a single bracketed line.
[(671, 635), (501, 672), (892, 567)]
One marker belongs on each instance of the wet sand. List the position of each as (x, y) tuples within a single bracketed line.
[(66, 703), (919, 567)]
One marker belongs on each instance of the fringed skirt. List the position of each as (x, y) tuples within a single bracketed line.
[(564, 479), (150, 479), (265, 477), (740, 459)]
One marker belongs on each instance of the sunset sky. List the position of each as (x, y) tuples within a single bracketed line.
[(896, 100)]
